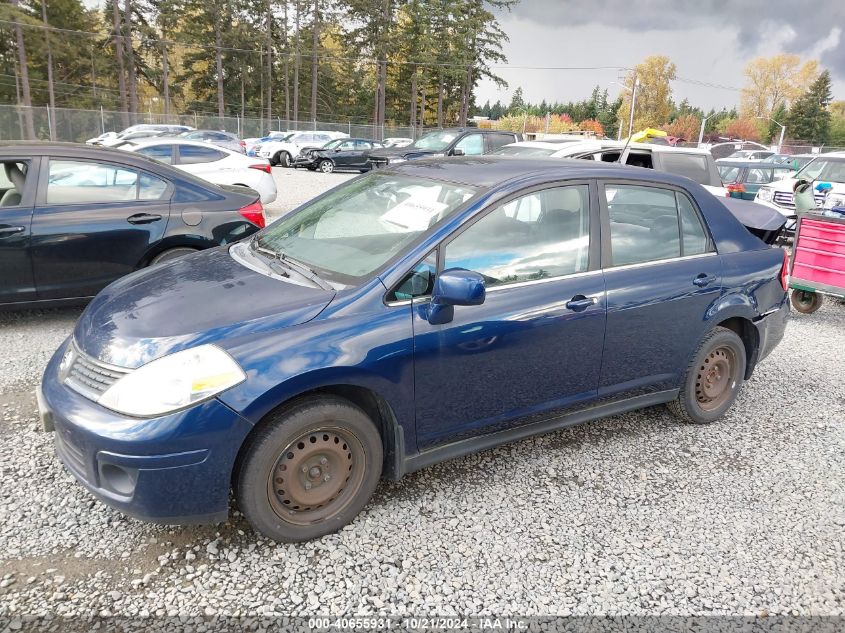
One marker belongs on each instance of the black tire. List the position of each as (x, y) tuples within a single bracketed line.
[(307, 448), (274, 159), (806, 302), (283, 159), (171, 254), (713, 379), (326, 166)]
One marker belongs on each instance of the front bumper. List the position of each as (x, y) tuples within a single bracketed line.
[(304, 161), (172, 469)]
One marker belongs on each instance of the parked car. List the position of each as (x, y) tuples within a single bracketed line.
[(397, 141), (142, 130), (253, 143), (744, 178), (411, 315), (97, 140), (282, 152), (531, 148), (341, 153), (696, 164), (749, 154), (829, 168), (450, 142), (216, 164), (216, 137), (74, 218), (796, 161)]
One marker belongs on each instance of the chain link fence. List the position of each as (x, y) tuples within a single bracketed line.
[(74, 125)]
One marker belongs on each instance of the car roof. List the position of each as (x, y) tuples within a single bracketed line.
[(173, 140), (555, 145), (599, 144), (490, 170), (461, 130)]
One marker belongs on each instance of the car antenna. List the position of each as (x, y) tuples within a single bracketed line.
[(623, 155)]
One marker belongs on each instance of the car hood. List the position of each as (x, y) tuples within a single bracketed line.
[(788, 184), (204, 298)]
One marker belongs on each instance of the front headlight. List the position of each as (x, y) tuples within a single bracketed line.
[(765, 194), (173, 382), (398, 159)]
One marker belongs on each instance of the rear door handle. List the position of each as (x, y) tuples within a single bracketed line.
[(580, 302), (143, 218), (11, 230), (703, 280)]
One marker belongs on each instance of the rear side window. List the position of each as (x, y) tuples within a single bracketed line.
[(192, 154), (651, 224), (729, 173), (693, 166), (757, 176), (151, 188), (499, 140)]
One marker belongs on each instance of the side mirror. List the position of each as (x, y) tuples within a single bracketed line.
[(455, 287), (457, 152)]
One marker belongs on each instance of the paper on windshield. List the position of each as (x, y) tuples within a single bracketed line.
[(414, 214)]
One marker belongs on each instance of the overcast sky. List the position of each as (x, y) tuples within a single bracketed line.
[(709, 40)]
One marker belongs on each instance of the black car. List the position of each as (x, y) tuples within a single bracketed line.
[(449, 142), (73, 218), (341, 153)]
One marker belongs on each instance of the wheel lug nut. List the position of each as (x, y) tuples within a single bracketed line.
[(327, 477), (324, 461), (305, 469), (308, 485)]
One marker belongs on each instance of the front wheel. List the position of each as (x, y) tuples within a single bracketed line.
[(326, 166), (309, 470), (806, 302), (283, 159), (713, 379)]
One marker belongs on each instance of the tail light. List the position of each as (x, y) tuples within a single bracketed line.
[(243, 143), (784, 271), (254, 213), (737, 187), (265, 167)]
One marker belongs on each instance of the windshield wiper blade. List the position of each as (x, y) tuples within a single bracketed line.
[(305, 271)]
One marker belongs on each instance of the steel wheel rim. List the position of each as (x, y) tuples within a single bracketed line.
[(716, 378), (316, 476)]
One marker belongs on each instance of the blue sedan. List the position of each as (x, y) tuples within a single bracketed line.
[(411, 315)]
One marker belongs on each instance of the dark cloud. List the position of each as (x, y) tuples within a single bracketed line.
[(814, 29)]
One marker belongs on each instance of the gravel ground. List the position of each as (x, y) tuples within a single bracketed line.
[(296, 186), (635, 514)]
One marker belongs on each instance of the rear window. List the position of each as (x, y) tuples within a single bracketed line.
[(693, 166), (190, 154)]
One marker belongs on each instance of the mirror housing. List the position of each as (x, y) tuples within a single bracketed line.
[(457, 151), (455, 287)]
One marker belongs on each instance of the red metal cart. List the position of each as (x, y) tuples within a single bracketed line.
[(818, 261)]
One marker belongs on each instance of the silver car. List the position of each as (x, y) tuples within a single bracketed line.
[(216, 137)]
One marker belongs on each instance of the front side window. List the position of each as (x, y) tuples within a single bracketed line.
[(359, 226), (347, 146), (472, 145), (192, 154), (540, 235), (435, 141), (729, 173), (161, 153), (71, 182), (646, 224), (824, 169), (498, 140)]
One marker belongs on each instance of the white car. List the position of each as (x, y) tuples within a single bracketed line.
[(750, 155), (213, 163), (397, 141), (696, 164), (828, 168), (282, 152), (533, 148)]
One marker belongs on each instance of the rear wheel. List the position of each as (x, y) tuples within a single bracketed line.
[(806, 302), (713, 378), (172, 253), (309, 470), (326, 166)]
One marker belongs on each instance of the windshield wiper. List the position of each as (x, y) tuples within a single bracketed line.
[(298, 267)]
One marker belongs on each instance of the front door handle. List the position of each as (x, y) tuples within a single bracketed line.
[(143, 218), (579, 303), (11, 230), (703, 280)]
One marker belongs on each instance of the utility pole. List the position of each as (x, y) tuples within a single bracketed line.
[(52, 94), (633, 105)]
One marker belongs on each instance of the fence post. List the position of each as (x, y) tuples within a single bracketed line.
[(279, 123), (195, 119), (50, 125), (102, 121)]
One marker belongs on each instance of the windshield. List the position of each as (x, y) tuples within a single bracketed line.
[(436, 141), (522, 150), (826, 169), (359, 226), (333, 144)]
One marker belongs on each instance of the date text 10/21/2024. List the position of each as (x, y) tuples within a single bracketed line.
[(418, 623)]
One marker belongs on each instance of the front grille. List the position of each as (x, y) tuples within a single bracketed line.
[(785, 199), (90, 377)]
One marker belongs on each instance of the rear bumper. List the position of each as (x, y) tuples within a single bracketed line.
[(172, 469)]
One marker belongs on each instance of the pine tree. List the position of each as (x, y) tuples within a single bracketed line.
[(809, 117)]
